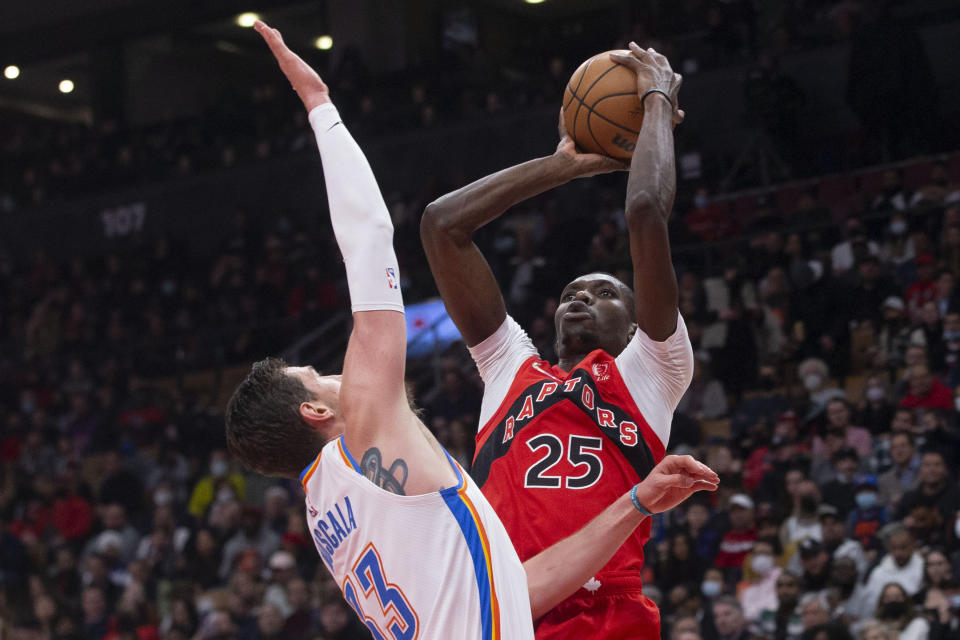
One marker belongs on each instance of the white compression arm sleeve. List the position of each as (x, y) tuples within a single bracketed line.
[(359, 215)]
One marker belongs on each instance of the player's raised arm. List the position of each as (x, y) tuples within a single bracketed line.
[(650, 192), (463, 276), (558, 571), (372, 393)]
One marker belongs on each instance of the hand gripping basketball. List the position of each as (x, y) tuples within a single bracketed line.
[(585, 165), (653, 72), (308, 85), (674, 480)]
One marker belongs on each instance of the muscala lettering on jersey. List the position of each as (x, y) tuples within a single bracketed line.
[(584, 396), (332, 528)]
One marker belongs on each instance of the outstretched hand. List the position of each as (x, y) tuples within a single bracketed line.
[(308, 85), (674, 480), (653, 72), (586, 164)]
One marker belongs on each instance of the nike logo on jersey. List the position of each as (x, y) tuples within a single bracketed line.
[(330, 531)]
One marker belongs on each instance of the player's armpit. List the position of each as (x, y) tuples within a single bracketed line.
[(464, 279)]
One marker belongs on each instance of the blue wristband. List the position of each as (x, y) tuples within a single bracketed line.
[(636, 503)]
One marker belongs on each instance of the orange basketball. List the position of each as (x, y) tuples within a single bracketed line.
[(601, 108)]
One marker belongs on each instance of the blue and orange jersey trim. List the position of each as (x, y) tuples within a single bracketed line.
[(478, 543), (307, 473), (346, 456)]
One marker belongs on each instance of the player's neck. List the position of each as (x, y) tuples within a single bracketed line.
[(568, 361)]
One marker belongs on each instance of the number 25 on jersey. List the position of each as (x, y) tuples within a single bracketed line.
[(581, 452)]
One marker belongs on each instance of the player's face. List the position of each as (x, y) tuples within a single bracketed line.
[(326, 389), (595, 312)]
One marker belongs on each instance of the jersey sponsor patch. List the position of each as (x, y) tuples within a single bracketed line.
[(600, 371)]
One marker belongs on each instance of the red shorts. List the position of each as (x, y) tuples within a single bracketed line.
[(616, 611)]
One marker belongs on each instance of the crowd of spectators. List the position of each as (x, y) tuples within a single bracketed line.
[(826, 394)]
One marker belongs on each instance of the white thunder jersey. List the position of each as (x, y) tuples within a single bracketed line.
[(433, 566)]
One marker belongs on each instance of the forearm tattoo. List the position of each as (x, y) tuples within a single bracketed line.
[(392, 479)]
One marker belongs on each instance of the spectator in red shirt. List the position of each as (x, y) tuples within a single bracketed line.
[(926, 391), (924, 289), (738, 541), (72, 511)]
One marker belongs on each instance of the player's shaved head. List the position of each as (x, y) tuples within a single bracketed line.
[(264, 428)]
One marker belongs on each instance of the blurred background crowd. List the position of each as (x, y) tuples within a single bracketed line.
[(824, 313)]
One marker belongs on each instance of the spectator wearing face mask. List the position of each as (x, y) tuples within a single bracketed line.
[(204, 493), (758, 591), (868, 517), (712, 585), (803, 522), (898, 248), (895, 609), (815, 374), (875, 409)]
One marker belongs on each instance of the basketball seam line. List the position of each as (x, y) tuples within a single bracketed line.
[(583, 103), (573, 94), (600, 115)]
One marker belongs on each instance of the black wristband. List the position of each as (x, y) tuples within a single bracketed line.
[(643, 98)]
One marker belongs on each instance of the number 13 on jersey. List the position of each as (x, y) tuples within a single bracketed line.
[(385, 610)]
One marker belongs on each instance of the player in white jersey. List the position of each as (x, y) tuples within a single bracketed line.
[(412, 543)]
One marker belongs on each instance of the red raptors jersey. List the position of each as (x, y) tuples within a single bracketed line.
[(561, 448)]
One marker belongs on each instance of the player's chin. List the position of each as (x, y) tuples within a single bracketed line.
[(578, 334)]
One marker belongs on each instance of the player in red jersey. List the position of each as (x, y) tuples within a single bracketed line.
[(559, 442)]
